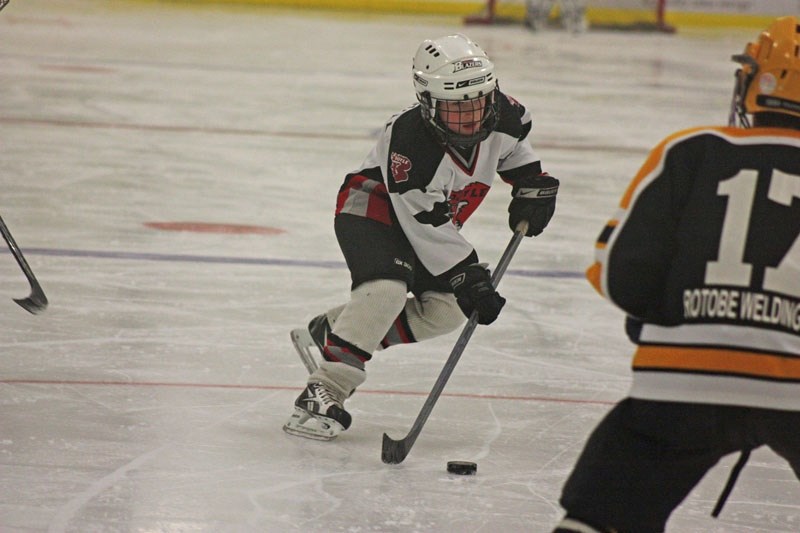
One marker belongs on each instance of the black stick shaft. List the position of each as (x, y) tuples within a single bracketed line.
[(36, 301), (395, 451)]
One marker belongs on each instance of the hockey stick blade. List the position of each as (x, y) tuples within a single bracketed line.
[(302, 341), (36, 302), (395, 451)]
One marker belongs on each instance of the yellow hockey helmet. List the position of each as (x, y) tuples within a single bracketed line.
[(769, 79)]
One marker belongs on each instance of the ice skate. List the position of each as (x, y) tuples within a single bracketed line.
[(305, 339), (318, 414)]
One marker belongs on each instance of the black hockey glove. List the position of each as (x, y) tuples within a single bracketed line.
[(474, 292), (534, 201)]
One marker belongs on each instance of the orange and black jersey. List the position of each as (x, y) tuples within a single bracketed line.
[(705, 251)]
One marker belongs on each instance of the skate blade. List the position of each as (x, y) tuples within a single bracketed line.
[(303, 424), (302, 341)]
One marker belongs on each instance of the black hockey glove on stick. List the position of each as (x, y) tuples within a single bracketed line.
[(534, 201), (37, 301), (475, 293), (395, 451)]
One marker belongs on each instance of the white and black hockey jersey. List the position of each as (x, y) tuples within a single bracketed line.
[(705, 250), (430, 190)]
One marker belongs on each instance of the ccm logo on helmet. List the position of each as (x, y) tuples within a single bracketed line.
[(468, 83), (469, 63)]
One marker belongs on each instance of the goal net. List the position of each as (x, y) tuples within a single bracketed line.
[(634, 15)]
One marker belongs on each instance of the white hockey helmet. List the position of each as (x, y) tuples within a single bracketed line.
[(455, 69)]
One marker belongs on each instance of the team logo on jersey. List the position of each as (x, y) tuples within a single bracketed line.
[(467, 63), (464, 202), (400, 167)]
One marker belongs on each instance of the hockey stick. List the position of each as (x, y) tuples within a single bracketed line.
[(37, 301), (302, 341), (394, 451)]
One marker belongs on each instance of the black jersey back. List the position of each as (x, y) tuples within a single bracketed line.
[(705, 249)]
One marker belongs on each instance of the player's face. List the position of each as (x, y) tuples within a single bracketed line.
[(463, 117)]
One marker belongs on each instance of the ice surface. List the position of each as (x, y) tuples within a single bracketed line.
[(151, 395)]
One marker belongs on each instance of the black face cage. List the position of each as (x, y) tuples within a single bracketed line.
[(445, 134), (738, 112)]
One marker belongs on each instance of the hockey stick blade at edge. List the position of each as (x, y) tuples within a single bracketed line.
[(34, 304)]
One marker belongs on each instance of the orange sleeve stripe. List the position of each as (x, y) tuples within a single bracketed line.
[(718, 361), (593, 275)]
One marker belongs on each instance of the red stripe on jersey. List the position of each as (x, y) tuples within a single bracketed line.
[(365, 197)]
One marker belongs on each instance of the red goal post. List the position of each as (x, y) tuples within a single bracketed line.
[(635, 15)]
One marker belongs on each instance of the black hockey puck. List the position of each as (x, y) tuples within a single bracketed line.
[(462, 468)]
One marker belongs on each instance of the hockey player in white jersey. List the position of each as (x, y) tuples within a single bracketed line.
[(398, 216)]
